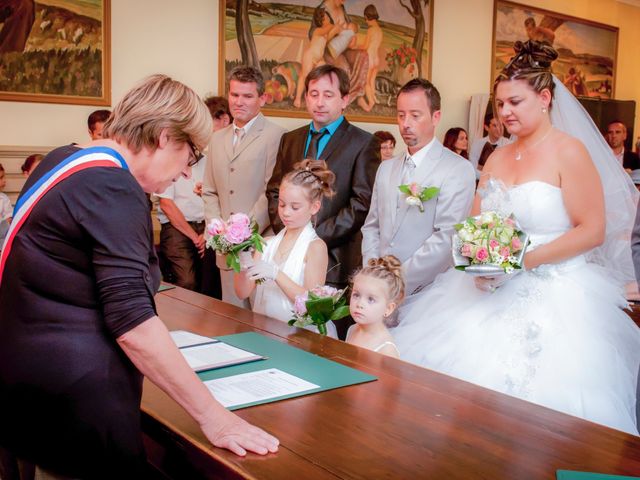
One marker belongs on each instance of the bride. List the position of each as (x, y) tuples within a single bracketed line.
[(555, 333)]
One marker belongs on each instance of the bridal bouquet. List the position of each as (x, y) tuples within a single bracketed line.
[(238, 234), (489, 244), (319, 306)]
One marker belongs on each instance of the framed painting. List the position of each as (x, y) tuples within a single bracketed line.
[(55, 51), (380, 43), (587, 50)]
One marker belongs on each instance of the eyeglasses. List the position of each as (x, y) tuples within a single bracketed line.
[(197, 154)]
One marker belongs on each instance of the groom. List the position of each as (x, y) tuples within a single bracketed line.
[(420, 239)]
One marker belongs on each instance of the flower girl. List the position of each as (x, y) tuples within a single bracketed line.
[(377, 291), (296, 259)]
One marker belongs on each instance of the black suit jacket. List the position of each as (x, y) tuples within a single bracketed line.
[(630, 160), (353, 155)]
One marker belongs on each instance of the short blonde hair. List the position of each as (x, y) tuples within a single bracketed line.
[(156, 103)]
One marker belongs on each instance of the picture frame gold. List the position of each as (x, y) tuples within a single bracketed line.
[(277, 36), (56, 51)]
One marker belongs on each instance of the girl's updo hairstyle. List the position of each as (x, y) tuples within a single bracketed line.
[(532, 62), (314, 176), (389, 269)]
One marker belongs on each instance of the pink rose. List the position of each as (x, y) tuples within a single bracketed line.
[(516, 244), (325, 291), (239, 219), (491, 225), (237, 233), (493, 244), (215, 227), (467, 250), (505, 252), (509, 222), (414, 189), (300, 306), (482, 254)]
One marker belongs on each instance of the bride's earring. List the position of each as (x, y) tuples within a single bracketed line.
[(544, 109)]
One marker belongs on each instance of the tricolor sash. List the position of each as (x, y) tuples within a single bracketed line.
[(81, 160)]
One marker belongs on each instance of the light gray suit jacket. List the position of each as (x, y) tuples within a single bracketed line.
[(235, 182), (420, 240)]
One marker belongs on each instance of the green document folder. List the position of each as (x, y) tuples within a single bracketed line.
[(570, 475), (310, 367)]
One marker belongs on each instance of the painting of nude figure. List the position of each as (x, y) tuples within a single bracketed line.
[(55, 51), (587, 50), (381, 44)]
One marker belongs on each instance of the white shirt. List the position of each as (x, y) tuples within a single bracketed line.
[(421, 154), (620, 157), (181, 192), (6, 211), (246, 129)]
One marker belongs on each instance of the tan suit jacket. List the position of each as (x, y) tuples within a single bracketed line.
[(235, 182)]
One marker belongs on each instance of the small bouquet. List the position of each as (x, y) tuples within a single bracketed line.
[(489, 244), (417, 195), (238, 234), (319, 306)]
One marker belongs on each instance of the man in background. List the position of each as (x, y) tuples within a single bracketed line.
[(350, 152), (616, 136), (241, 157), (483, 147)]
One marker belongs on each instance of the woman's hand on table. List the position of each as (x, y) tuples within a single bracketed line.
[(238, 436)]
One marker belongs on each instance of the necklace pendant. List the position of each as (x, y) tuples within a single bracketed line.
[(518, 156)]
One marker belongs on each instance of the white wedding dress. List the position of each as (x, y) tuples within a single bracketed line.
[(270, 300), (556, 336)]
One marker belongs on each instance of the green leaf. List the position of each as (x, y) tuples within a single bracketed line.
[(233, 261), (429, 193), (291, 322), (340, 312), (460, 267), (404, 189), (458, 226)]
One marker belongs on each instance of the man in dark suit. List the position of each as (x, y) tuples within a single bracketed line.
[(350, 152), (616, 136)]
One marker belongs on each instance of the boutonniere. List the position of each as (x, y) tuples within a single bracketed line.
[(417, 195)]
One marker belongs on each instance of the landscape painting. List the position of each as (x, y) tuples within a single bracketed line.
[(55, 51), (381, 44), (587, 50)]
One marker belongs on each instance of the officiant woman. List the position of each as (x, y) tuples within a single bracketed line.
[(78, 274)]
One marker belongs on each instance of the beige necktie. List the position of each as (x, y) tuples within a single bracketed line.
[(239, 132)]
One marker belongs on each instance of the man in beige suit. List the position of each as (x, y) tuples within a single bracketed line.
[(241, 160)]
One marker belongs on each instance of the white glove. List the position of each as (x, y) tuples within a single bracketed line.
[(490, 284), (262, 269), (246, 259)]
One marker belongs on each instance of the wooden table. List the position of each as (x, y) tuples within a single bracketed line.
[(412, 423)]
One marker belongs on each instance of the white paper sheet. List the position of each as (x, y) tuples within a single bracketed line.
[(256, 386), (215, 355), (184, 338)]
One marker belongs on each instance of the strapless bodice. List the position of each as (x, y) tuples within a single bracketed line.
[(536, 205)]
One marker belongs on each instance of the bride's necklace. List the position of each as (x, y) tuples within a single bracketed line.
[(520, 152)]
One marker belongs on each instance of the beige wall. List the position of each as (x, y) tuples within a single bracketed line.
[(181, 39)]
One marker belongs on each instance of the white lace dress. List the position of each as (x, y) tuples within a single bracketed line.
[(556, 336), (270, 300)]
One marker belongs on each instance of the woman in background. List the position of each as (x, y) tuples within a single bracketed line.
[(457, 140)]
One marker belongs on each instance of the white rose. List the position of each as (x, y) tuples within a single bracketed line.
[(413, 201), (486, 217)]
